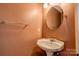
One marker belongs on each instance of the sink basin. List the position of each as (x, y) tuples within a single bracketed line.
[(50, 45)]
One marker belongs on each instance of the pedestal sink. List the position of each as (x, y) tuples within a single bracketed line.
[(50, 45)]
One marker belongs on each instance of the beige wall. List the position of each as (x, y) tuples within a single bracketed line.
[(77, 27), (13, 39)]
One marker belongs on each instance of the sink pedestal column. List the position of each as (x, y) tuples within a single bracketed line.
[(49, 53)]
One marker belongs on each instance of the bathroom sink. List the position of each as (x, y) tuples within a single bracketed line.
[(50, 45)]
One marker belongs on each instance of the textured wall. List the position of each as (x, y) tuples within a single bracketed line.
[(13, 39)]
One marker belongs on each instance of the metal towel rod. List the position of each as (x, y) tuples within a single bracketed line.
[(3, 22)]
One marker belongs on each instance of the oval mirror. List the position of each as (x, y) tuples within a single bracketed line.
[(54, 17)]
